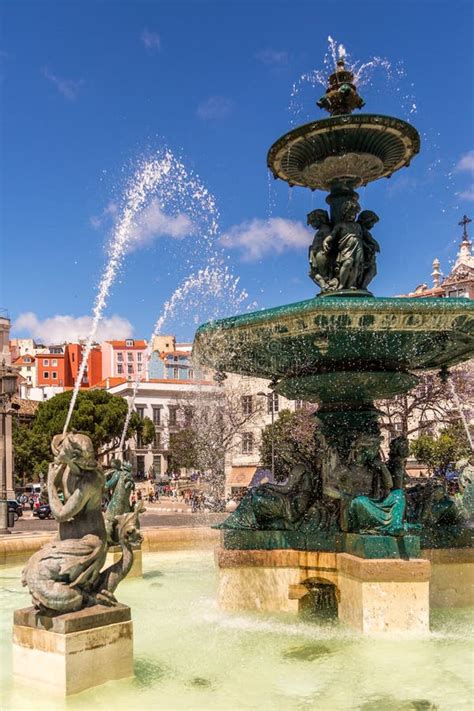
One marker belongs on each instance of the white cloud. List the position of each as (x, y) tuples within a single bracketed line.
[(467, 194), (69, 88), (215, 107), (109, 211), (255, 238), (151, 41), (466, 162), (153, 223), (150, 224), (62, 328), (272, 57)]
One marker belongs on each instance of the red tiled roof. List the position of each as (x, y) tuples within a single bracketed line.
[(109, 383), (121, 344), (21, 360)]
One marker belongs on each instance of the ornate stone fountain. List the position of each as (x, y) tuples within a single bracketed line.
[(342, 349)]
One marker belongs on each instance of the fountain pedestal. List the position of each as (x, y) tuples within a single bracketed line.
[(73, 652), (373, 595)]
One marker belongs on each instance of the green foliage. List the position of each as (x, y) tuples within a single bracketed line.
[(97, 413), (441, 452), (294, 439), (146, 429), (182, 450)]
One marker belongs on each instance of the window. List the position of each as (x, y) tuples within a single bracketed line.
[(46, 376), (28, 368), (298, 404), (188, 415), (176, 373), (119, 357), (27, 359), (129, 357), (45, 362), (130, 369), (172, 415), (272, 403), (140, 411), (247, 443), (139, 367), (157, 440), (140, 466), (247, 404), (191, 374), (129, 342), (157, 415), (54, 375), (139, 357), (120, 369), (157, 465), (139, 440), (73, 357), (54, 362)]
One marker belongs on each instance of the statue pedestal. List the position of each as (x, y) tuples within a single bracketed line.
[(373, 595), (114, 554), (384, 595), (75, 651)]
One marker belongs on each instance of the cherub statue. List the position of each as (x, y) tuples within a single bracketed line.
[(367, 219), (319, 259), (347, 240)]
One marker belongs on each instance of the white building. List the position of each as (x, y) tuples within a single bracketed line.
[(159, 401), (256, 399)]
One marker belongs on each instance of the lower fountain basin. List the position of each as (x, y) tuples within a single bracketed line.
[(368, 343), (191, 655)]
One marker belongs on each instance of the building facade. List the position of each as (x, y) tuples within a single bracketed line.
[(123, 359)]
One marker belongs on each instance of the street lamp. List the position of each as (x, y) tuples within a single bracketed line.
[(271, 404), (8, 379)]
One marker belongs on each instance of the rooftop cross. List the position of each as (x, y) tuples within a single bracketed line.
[(464, 222)]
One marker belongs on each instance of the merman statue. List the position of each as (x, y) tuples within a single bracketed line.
[(275, 506), (384, 516), (119, 485)]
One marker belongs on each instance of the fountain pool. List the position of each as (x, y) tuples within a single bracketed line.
[(191, 655)]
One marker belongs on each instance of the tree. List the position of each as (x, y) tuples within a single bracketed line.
[(434, 402), (294, 438), (97, 413), (182, 452), (211, 422), (441, 452)]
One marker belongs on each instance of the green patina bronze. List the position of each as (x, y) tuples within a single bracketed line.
[(344, 349)]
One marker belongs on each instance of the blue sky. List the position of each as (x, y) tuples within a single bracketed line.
[(89, 88)]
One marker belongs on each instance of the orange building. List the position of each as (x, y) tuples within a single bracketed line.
[(51, 368), (93, 371)]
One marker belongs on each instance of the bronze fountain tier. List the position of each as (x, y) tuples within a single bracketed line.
[(343, 352)]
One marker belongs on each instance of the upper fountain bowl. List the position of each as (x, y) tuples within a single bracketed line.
[(347, 149), (344, 148)]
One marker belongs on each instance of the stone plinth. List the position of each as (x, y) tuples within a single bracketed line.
[(374, 595), (452, 576), (73, 652), (114, 554), (384, 595)]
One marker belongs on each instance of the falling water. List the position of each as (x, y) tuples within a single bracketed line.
[(363, 76), (166, 178), (216, 280), (463, 415)]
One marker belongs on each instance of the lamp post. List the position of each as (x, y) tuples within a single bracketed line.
[(270, 402), (8, 386)]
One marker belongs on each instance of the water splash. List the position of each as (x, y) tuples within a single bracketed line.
[(364, 75), (216, 281), (176, 190)]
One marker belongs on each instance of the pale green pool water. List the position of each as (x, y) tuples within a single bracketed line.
[(190, 655)]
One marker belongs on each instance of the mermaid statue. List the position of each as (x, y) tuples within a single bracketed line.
[(67, 574)]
